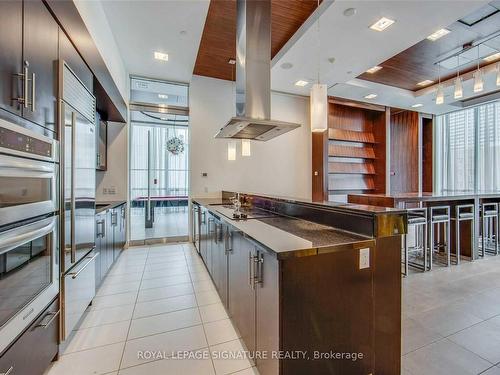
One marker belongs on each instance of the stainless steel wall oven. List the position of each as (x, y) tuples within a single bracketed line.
[(29, 228)]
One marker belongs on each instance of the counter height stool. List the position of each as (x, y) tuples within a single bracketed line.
[(489, 229), (417, 219), (464, 212), (439, 216)]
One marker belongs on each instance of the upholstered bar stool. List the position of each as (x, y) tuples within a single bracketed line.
[(439, 216), (417, 222), (463, 213), (489, 229)]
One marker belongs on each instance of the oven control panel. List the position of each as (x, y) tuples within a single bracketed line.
[(13, 140)]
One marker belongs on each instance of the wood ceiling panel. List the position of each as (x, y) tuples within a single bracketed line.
[(419, 62), (218, 41)]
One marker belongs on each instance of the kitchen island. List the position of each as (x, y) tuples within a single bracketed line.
[(311, 288)]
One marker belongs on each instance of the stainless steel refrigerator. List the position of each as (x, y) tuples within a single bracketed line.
[(77, 196)]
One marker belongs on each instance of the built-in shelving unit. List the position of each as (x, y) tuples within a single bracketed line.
[(353, 151)]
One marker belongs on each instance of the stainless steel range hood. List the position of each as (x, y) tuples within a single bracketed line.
[(253, 76)]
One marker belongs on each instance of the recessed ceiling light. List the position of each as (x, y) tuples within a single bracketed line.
[(418, 105), (374, 69), (350, 12), (382, 24), (438, 34), (231, 61), (371, 96), (301, 83), (163, 96), (286, 66), (492, 57), (425, 83), (161, 56)]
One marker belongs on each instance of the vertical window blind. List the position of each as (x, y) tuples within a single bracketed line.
[(467, 149)]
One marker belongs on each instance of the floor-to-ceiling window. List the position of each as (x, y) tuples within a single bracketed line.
[(467, 149), (159, 165)]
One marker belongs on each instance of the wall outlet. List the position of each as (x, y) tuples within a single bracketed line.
[(364, 258), (111, 190)]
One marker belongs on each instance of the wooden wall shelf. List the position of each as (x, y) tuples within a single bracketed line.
[(351, 156), (350, 135)]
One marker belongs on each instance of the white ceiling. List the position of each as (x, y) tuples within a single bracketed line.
[(168, 26), (356, 48)]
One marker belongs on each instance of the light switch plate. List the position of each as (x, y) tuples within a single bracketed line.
[(364, 258)]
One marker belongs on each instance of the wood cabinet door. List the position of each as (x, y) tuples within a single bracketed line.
[(11, 54), (241, 291), (267, 311), (40, 52), (70, 55)]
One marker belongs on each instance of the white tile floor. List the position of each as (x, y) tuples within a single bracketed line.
[(161, 298), (155, 298)]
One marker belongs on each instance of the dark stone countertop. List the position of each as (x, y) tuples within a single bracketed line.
[(101, 206), (290, 237)]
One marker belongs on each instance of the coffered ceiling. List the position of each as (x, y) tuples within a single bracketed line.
[(427, 60), (218, 41)]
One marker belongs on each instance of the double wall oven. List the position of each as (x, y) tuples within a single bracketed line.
[(29, 232)]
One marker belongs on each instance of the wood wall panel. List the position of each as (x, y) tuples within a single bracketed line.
[(427, 176), (319, 167), (356, 148), (404, 152), (218, 41)]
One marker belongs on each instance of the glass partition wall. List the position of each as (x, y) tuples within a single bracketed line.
[(467, 149), (159, 165)]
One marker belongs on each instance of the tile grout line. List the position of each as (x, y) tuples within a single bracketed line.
[(132, 317), (203, 325)]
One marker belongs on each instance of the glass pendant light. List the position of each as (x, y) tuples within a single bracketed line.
[(231, 151), (319, 98), (246, 148), (440, 91), (478, 76), (498, 74), (459, 91)]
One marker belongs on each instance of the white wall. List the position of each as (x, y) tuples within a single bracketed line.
[(97, 24), (281, 166), (115, 178)]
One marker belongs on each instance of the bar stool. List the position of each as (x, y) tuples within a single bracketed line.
[(417, 219), (489, 226), (439, 215), (464, 212)]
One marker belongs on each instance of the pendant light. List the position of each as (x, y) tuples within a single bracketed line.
[(231, 151), (478, 76), (459, 90), (440, 92), (319, 97), (245, 148), (498, 74)]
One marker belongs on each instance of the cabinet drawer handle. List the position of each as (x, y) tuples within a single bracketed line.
[(33, 92), (74, 275), (9, 371), (54, 316)]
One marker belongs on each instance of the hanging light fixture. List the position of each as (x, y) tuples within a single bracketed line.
[(246, 148), (319, 97), (231, 151), (440, 91), (498, 74), (459, 90), (478, 76)]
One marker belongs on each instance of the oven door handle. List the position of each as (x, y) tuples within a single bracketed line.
[(18, 236), (19, 165)]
